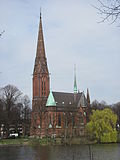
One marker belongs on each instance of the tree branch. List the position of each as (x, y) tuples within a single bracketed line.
[(109, 10)]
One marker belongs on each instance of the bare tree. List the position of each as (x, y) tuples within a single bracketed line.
[(99, 105), (26, 114), (109, 10), (1, 113), (38, 117), (10, 96)]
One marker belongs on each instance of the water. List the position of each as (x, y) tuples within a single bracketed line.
[(78, 152)]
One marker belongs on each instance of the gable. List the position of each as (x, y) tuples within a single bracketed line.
[(51, 100)]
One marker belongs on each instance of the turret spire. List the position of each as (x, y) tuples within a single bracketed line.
[(88, 96), (75, 83)]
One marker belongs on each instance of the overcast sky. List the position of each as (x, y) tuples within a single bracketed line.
[(72, 36)]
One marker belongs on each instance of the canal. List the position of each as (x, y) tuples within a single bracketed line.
[(75, 152)]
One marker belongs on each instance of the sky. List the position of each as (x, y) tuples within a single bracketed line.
[(72, 35)]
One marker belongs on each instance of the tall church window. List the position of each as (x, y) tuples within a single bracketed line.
[(50, 125), (43, 87), (50, 119), (59, 120), (35, 87)]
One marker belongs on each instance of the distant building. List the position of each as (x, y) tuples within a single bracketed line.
[(12, 130), (55, 113)]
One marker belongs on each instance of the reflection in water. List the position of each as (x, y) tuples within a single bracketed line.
[(77, 152), (42, 153)]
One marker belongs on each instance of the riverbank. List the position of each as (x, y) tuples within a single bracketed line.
[(46, 141), (16, 142), (43, 141)]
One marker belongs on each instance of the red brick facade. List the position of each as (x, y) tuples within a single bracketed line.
[(61, 119)]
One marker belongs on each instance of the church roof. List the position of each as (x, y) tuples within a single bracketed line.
[(61, 99)]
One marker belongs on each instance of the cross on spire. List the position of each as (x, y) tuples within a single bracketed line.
[(40, 12)]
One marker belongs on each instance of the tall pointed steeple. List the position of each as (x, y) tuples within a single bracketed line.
[(40, 60), (40, 73), (40, 44), (75, 83)]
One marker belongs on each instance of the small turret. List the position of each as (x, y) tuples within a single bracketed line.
[(88, 97), (75, 84)]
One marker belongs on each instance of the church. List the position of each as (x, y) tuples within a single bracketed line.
[(54, 113)]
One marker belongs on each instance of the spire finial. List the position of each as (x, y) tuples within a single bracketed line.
[(75, 69), (75, 83), (40, 12)]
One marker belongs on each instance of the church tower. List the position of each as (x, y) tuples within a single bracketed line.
[(40, 86), (40, 73)]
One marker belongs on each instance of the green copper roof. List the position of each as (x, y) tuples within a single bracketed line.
[(51, 100), (75, 83)]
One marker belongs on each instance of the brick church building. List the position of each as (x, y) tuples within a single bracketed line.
[(55, 113)]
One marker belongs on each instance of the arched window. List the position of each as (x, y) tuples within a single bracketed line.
[(50, 125), (59, 120), (43, 87), (53, 117), (50, 119)]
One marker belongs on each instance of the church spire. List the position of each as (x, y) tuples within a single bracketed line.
[(40, 60), (40, 73), (75, 83), (40, 44)]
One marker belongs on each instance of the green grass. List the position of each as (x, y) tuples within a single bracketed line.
[(27, 141), (45, 141), (38, 141), (17, 141)]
